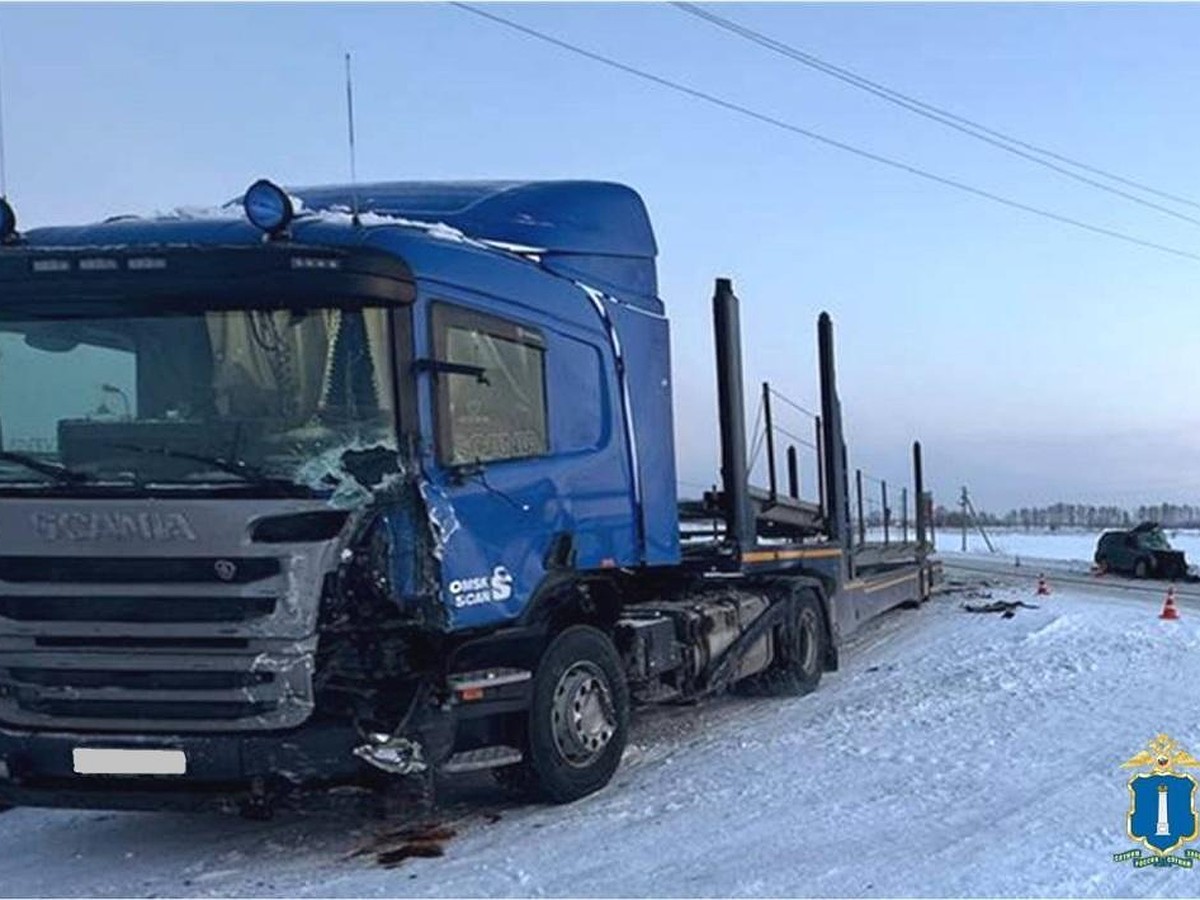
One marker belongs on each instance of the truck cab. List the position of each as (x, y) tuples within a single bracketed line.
[(400, 406)]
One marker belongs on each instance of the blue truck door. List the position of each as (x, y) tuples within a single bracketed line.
[(504, 502)]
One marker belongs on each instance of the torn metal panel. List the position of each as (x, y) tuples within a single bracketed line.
[(443, 522), (396, 755)]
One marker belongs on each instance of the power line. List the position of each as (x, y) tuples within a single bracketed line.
[(796, 438), (828, 141), (793, 404), (756, 443), (967, 126)]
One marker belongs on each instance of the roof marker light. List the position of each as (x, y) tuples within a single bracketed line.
[(268, 207), (98, 264), (8, 221)]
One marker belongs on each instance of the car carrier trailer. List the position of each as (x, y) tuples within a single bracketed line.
[(348, 485)]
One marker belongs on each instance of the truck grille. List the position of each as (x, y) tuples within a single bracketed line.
[(134, 709), (144, 643), (156, 644), (136, 570), (134, 680), (135, 609), (154, 692)]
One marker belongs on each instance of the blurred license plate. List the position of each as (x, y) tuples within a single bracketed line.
[(105, 761)]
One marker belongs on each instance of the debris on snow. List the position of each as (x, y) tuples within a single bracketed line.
[(1006, 608), (390, 849)]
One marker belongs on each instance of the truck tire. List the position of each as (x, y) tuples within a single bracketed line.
[(579, 719), (1141, 569), (800, 651)]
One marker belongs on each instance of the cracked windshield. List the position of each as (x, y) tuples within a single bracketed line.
[(196, 398)]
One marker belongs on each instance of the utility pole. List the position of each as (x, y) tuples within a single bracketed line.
[(887, 513), (862, 522), (962, 502), (968, 511)]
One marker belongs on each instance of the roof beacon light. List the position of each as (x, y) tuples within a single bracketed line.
[(269, 207), (8, 222)]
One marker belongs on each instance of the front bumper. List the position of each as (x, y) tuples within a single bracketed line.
[(224, 769)]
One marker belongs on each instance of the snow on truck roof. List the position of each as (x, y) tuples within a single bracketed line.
[(592, 231), (585, 217)]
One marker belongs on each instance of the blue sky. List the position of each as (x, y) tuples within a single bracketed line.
[(1036, 362)]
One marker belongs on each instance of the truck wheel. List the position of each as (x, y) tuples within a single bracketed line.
[(1141, 569), (799, 654), (579, 720)]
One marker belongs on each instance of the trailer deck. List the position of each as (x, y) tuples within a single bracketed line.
[(741, 528)]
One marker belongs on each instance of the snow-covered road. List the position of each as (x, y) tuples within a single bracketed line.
[(954, 754)]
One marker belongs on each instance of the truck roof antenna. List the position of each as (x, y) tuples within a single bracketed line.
[(350, 132), (3, 156)]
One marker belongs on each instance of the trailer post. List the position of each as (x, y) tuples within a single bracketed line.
[(845, 483), (821, 470), (834, 446), (793, 469), (904, 514), (862, 523), (919, 488), (731, 409), (769, 427), (886, 512)]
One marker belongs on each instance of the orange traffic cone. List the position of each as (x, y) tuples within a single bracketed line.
[(1169, 610), (1043, 589)]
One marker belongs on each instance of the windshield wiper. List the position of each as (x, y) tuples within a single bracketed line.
[(235, 467), (59, 473)]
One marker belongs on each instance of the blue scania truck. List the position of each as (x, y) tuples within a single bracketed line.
[(345, 485)]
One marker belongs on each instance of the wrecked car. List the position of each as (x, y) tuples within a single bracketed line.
[(1143, 552)]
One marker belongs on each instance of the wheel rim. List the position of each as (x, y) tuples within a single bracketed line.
[(806, 640), (583, 720)]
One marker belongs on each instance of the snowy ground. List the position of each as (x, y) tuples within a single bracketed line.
[(1078, 545), (954, 754)]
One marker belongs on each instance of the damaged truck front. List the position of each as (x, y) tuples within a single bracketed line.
[(210, 512)]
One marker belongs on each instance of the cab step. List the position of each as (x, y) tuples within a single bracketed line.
[(483, 758), (490, 692), (461, 682)]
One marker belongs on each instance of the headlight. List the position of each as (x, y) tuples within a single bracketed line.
[(268, 206)]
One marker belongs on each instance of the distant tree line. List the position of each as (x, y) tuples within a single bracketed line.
[(1077, 515)]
